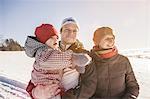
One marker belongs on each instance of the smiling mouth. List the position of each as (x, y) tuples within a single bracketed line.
[(55, 44)]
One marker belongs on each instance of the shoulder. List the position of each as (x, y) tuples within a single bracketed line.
[(123, 58)]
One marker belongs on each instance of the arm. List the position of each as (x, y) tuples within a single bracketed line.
[(55, 59), (132, 87), (88, 82), (32, 46)]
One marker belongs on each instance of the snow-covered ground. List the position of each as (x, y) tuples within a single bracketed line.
[(15, 69)]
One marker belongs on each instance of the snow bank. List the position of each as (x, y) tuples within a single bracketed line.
[(16, 65)]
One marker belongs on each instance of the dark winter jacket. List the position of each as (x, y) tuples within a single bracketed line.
[(115, 78), (86, 79)]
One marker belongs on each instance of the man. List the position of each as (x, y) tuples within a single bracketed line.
[(115, 77), (69, 30)]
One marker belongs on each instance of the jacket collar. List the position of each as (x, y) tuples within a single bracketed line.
[(104, 57)]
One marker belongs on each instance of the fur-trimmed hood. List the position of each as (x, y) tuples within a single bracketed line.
[(33, 46)]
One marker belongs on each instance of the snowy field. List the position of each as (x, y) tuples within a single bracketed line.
[(15, 69)]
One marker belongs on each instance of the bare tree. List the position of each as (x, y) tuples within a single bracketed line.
[(11, 45)]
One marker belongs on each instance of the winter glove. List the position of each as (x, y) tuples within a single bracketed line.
[(80, 69), (81, 60)]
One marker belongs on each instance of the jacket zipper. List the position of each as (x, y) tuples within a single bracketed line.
[(109, 92)]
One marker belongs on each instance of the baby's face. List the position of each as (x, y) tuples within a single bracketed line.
[(107, 42), (52, 42)]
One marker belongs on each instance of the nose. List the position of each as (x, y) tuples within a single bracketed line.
[(55, 37), (71, 34)]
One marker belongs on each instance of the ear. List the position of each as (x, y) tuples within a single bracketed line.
[(114, 37), (61, 31)]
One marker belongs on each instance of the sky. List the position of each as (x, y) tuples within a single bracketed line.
[(130, 19)]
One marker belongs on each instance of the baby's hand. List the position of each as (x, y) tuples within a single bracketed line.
[(54, 89), (45, 92)]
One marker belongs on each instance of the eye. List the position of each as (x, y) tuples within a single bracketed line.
[(109, 39), (74, 31), (67, 30)]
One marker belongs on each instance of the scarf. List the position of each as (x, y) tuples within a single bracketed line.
[(105, 53)]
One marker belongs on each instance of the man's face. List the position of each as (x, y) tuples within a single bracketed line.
[(69, 33)]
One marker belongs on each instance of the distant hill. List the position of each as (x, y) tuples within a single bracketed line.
[(10, 45)]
